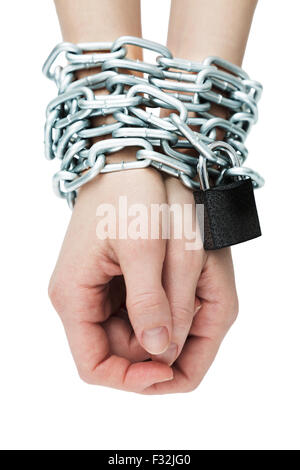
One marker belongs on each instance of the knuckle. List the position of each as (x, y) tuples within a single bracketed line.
[(190, 386), (143, 250), (183, 258), (149, 300), (86, 375), (234, 315), (234, 310), (59, 293), (182, 315), (230, 311), (56, 294)]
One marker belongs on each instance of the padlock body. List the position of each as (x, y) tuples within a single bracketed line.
[(230, 214)]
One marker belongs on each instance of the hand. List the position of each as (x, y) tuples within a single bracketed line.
[(88, 292), (100, 295), (201, 291)]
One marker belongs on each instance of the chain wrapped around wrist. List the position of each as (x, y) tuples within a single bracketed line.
[(189, 91)]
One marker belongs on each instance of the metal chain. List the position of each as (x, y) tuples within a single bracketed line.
[(178, 85)]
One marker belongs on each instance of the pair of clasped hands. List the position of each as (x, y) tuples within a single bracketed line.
[(141, 315)]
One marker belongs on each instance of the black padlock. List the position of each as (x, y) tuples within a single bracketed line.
[(230, 214)]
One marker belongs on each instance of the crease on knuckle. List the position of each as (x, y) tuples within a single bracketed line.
[(179, 257), (149, 300), (181, 314)]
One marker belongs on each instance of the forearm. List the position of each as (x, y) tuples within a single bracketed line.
[(101, 21), (200, 28), (94, 20)]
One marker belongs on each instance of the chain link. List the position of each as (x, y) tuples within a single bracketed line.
[(170, 143)]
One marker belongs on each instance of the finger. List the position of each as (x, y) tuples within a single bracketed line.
[(190, 368), (147, 304), (90, 345), (217, 313), (97, 366), (216, 289), (181, 272), (122, 339)]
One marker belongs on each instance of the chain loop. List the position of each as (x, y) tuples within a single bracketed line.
[(178, 144)]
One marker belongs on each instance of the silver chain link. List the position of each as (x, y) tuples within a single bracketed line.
[(177, 85)]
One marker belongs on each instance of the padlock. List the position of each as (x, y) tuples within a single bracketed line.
[(230, 215)]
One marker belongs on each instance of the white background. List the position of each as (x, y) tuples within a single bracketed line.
[(250, 397)]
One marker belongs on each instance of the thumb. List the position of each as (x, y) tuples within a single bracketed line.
[(148, 307)]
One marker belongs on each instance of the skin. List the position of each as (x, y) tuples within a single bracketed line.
[(108, 293)]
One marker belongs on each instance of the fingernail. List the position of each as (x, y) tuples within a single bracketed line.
[(169, 355), (197, 309), (166, 380), (156, 340)]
